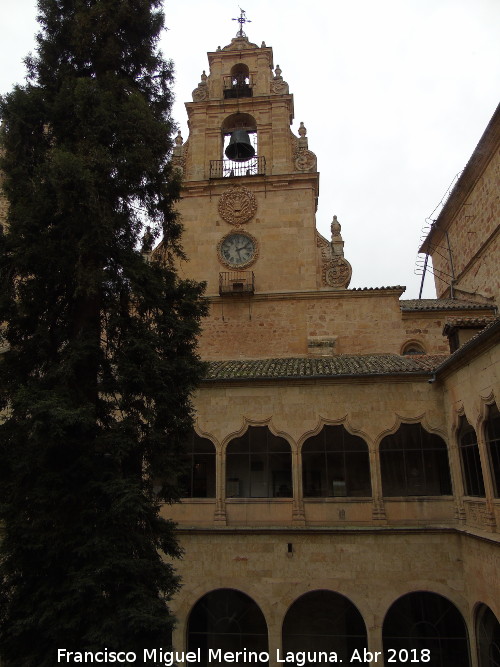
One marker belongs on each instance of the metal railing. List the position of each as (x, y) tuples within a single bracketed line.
[(230, 169), (236, 282), (237, 86)]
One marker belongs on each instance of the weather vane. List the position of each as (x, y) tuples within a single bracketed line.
[(242, 19)]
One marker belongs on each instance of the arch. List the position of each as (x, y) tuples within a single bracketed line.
[(239, 121), (470, 460), (258, 465), (425, 621), (335, 463), (322, 620), (240, 74), (492, 439), (238, 83), (199, 477), (226, 619), (414, 462), (411, 347), (487, 637)]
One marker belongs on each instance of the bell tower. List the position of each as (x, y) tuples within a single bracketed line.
[(250, 190)]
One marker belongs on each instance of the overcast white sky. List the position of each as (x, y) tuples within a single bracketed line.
[(395, 95)]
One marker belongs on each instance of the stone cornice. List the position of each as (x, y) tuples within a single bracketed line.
[(216, 186), (468, 532), (313, 295)]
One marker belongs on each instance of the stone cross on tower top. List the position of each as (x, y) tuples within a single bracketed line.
[(242, 19)]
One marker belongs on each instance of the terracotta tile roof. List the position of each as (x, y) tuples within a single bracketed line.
[(324, 367), (465, 323), (442, 304), (372, 289), (489, 332)]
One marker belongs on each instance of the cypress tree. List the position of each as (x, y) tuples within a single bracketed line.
[(95, 386)]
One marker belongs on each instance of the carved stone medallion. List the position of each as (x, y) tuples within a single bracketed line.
[(200, 94), (279, 87), (337, 272), (305, 161), (237, 206)]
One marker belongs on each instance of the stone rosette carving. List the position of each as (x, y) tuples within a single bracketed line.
[(237, 206), (305, 160), (337, 272)]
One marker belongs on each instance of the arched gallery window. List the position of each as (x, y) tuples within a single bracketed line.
[(414, 463), (226, 619), (492, 432), (488, 637), (469, 457), (198, 480), (335, 463), (258, 465), (324, 621), (426, 628)]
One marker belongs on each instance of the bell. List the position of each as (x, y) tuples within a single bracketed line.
[(240, 149)]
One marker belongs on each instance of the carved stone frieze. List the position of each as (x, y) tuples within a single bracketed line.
[(237, 206)]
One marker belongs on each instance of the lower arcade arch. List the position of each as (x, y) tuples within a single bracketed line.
[(226, 621), (426, 628), (323, 622), (488, 637)]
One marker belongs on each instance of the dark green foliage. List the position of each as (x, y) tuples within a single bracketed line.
[(102, 357)]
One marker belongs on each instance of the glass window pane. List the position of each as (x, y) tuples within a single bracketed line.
[(427, 621), (263, 469), (314, 475), (493, 445), (343, 472), (414, 462), (324, 621)]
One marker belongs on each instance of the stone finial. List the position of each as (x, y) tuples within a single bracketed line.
[(204, 77), (303, 143), (263, 45), (336, 270), (179, 152), (337, 241), (277, 73), (335, 227)]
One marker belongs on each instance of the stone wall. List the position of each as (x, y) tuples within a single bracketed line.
[(471, 219), (287, 325)]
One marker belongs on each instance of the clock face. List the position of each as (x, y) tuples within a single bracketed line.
[(238, 250)]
